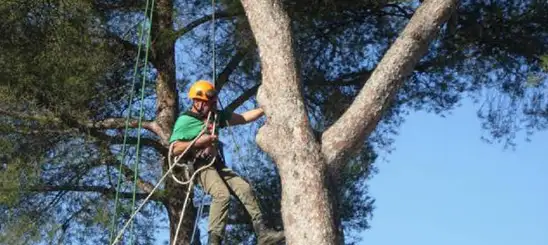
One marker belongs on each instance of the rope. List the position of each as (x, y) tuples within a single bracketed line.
[(126, 130), (190, 181), (141, 115), (177, 158), (200, 211), (155, 188), (191, 184)]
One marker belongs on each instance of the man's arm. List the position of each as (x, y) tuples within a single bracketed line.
[(205, 140), (246, 117)]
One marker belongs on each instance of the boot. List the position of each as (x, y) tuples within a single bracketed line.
[(267, 236), (214, 239)]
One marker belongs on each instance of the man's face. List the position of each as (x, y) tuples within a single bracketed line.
[(206, 106)]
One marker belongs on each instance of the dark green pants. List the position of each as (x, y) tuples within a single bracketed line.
[(220, 183)]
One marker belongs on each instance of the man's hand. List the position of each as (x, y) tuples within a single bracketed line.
[(205, 140)]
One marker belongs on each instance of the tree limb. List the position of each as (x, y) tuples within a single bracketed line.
[(120, 123), (222, 79), (129, 46), (109, 123), (361, 118), (100, 189), (242, 98), (287, 136)]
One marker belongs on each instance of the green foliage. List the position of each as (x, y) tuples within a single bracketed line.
[(544, 59), (52, 55), (19, 230), (76, 58)]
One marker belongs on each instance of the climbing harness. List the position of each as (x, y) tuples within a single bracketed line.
[(188, 167)]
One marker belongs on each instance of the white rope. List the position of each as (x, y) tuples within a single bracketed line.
[(191, 183), (200, 211), (178, 158), (120, 233)]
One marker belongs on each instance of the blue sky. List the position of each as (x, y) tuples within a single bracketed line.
[(444, 185)]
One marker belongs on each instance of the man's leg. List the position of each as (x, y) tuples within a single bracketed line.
[(214, 185), (244, 193)]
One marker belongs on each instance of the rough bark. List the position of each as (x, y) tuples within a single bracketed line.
[(363, 115), (164, 62), (163, 50), (306, 170), (287, 136), (120, 123)]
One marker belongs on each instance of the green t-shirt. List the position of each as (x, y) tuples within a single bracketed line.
[(190, 124)]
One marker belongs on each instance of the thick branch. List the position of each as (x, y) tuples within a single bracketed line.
[(286, 135), (167, 102), (110, 123), (222, 79), (128, 46), (120, 123), (111, 160), (361, 118), (100, 189), (242, 98)]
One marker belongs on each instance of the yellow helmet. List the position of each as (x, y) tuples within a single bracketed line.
[(202, 90)]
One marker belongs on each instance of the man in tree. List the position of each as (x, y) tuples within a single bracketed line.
[(218, 180)]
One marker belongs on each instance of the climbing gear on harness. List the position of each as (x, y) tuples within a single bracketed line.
[(202, 90), (168, 171), (188, 162)]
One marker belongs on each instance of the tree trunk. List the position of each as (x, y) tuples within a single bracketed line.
[(167, 106), (307, 168), (164, 61), (287, 136)]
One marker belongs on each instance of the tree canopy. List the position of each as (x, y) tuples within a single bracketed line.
[(67, 72)]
